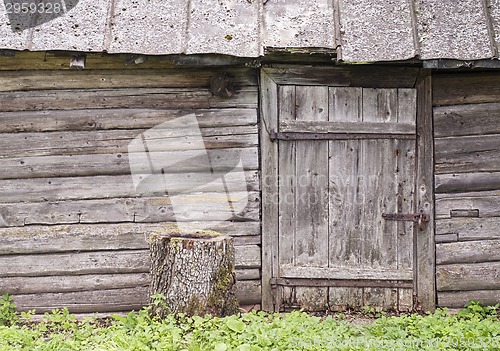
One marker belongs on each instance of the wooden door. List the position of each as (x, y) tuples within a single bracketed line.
[(345, 160)]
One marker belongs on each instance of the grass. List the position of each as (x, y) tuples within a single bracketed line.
[(475, 327)]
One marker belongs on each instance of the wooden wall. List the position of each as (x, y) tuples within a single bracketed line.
[(467, 146), (72, 227)]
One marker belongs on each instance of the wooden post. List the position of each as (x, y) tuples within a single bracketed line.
[(194, 272)]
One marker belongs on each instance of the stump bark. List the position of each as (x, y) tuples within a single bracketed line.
[(195, 273)]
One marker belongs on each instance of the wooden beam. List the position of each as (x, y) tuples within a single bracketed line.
[(468, 276), (27, 80), (467, 182), (457, 299), (346, 127), (119, 186), (120, 118), (466, 88), (125, 210), (112, 236), (99, 164), (468, 252), (487, 202), (367, 76), (469, 228), (424, 255), (176, 98), (269, 181), (345, 273), (461, 120)]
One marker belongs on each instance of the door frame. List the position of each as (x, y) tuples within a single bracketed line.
[(365, 76)]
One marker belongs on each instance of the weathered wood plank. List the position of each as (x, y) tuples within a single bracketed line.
[(345, 235), (458, 299), (101, 262), (177, 98), (445, 238), (67, 283), (345, 127), (269, 157), (111, 300), (385, 298), (61, 283), (119, 163), (117, 141), (381, 106), (487, 202), (425, 245), (288, 271), (341, 299), (469, 228), (105, 119), (248, 256), (465, 88), (405, 203), (125, 236), (287, 187), (41, 60), (75, 263), (309, 299), (138, 210), (247, 274), (474, 276), (92, 282), (344, 221), (312, 191), (102, 187), (475, 119), (405, 303), (407, 106), (248, 292), (373, 77), (311, 195), (468, 154), (287, 160), (112, 79), (468, 252), (243, 239), (344, 231), (377, 170), (467, 182)]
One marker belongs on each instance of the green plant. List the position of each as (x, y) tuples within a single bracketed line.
[(371, 311), (473, 328), (8, 314), (476, 309)]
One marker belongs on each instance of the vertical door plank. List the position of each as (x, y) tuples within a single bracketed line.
[(287, 179), (287, 186), (379, 165), (407, 106), (311, 236), (344, 212), (380, 105), (425, 245), (407, 113), (345, 104), (269, 166)]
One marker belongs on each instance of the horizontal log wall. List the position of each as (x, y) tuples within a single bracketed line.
[(467, 146), (73, 226)]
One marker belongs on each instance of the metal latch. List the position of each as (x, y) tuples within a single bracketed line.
[(420, 218)]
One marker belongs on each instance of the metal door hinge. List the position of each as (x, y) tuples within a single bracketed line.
[(420, 218)]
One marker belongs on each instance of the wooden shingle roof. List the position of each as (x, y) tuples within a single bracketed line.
[(360, 30)]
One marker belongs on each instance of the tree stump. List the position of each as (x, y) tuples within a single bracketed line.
[(195, 273)]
